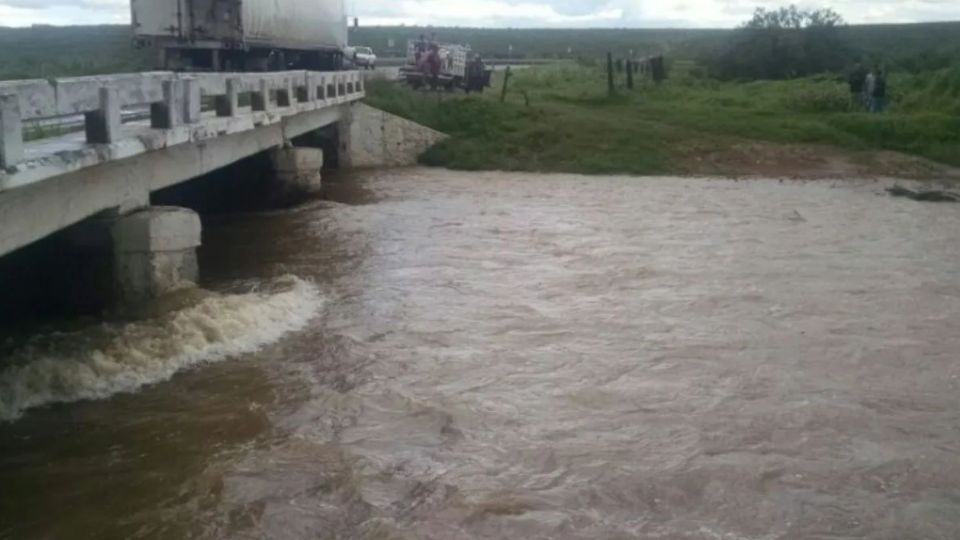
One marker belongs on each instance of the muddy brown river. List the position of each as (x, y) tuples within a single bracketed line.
[(455, 356)]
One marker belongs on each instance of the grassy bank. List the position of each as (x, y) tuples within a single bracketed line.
[(572, 125)]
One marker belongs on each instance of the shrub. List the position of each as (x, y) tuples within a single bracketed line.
[(819, 98), (782, 44), (587, 62)]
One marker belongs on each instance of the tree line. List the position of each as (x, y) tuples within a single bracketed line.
[(81, 50)]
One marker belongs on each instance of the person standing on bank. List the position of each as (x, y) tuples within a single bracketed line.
[(877, 90), (857, 80)]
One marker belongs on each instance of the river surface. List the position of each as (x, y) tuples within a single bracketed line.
[(455, 356)]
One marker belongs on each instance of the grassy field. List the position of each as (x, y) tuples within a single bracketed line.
[(572, 125)]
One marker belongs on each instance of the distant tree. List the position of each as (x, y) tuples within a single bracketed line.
[(930, 59), (781, 44)]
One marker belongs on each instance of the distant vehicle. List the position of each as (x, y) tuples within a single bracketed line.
[(364, 57), (252, 35), (444, 66)]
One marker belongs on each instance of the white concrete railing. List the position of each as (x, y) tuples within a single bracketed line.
[(174, 99)]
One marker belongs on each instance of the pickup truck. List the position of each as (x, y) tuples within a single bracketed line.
[(364, 57)]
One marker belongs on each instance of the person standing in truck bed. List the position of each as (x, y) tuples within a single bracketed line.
[(433, 65), (419, 47)]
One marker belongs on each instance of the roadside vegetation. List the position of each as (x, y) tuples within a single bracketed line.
[(774, 91), (572, 125)]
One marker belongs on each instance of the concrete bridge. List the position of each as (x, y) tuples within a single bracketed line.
[(145, 132)]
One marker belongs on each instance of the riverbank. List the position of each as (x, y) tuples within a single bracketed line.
[(560, 119)]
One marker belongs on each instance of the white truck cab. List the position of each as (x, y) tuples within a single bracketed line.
[(364, 57)]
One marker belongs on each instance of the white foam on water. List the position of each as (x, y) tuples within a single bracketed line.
[(111, 358)]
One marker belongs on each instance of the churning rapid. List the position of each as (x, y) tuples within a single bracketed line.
[(493, 355), (100, 361)]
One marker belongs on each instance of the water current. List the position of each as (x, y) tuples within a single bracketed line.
[(455, 356)]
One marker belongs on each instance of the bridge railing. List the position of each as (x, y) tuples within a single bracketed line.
[(174, 100)]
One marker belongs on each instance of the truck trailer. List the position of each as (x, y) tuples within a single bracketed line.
[(242, 35)]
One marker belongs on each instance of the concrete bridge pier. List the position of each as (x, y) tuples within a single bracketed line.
[(296, 172), (126, 256), (154, 252)]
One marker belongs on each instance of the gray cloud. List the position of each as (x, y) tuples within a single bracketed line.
[(35, 4), (694, 13), (93, 5), (577, 7)]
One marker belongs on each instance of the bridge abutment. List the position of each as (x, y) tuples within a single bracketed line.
[(154, 252), (370, 137)]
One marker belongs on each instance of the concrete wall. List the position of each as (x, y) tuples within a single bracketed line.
[(379, 139)]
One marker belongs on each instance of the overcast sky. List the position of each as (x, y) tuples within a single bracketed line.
[(522, 13)]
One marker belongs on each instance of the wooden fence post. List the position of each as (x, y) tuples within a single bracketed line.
[(630, 74), (506, 80), (610, 89)]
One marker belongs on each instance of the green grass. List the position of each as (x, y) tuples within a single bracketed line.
[(36, 132), (572, 125)]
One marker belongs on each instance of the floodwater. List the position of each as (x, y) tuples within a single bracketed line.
[(453, 356)]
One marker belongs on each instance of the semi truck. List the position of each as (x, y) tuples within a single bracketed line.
[(242, 35)]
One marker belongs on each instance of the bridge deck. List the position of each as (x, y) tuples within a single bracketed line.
[(175, 103), (181, 127)]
